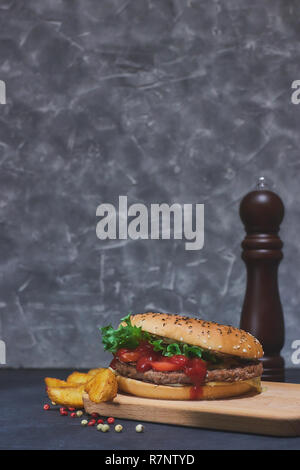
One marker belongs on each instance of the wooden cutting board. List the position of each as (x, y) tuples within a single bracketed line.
[(276, 411)]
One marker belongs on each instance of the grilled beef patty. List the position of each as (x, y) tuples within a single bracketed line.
[(244, 372)]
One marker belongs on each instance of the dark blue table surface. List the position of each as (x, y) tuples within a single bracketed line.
[(25, 425)]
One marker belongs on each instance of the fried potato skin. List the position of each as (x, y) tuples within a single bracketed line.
[(103, 386), (101, 382), (68, 396), (78, 378), (94, 371), (51, 382)]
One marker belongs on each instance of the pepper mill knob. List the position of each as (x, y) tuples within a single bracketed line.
[(262, 212)]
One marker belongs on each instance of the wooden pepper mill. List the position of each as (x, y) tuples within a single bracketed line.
[(262, 212)]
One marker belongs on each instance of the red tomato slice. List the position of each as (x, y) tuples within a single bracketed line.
[(122, 351), (164, 366), (179, 359), (125, 355)]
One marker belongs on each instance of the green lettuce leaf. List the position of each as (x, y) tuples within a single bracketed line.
[(126, 336), (183, 349)]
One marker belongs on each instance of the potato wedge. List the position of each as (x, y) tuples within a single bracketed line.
[(94, 371), (78, 378), (51, 382), (103, 386), (68, 396)]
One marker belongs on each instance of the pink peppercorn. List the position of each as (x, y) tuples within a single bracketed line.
[(46, 407)]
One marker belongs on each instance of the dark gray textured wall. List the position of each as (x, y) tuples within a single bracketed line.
[(163, 101)]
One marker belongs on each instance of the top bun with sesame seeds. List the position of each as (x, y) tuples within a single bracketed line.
[(208, 335)]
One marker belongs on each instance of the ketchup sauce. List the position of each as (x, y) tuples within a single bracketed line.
[(196, 370), (146, 358)]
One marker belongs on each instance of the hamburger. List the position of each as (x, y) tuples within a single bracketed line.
[(174, 357)]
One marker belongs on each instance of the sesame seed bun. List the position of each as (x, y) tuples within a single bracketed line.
[(209, 391), (205, 334)]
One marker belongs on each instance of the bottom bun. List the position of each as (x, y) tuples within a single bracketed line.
[(209, 391)]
